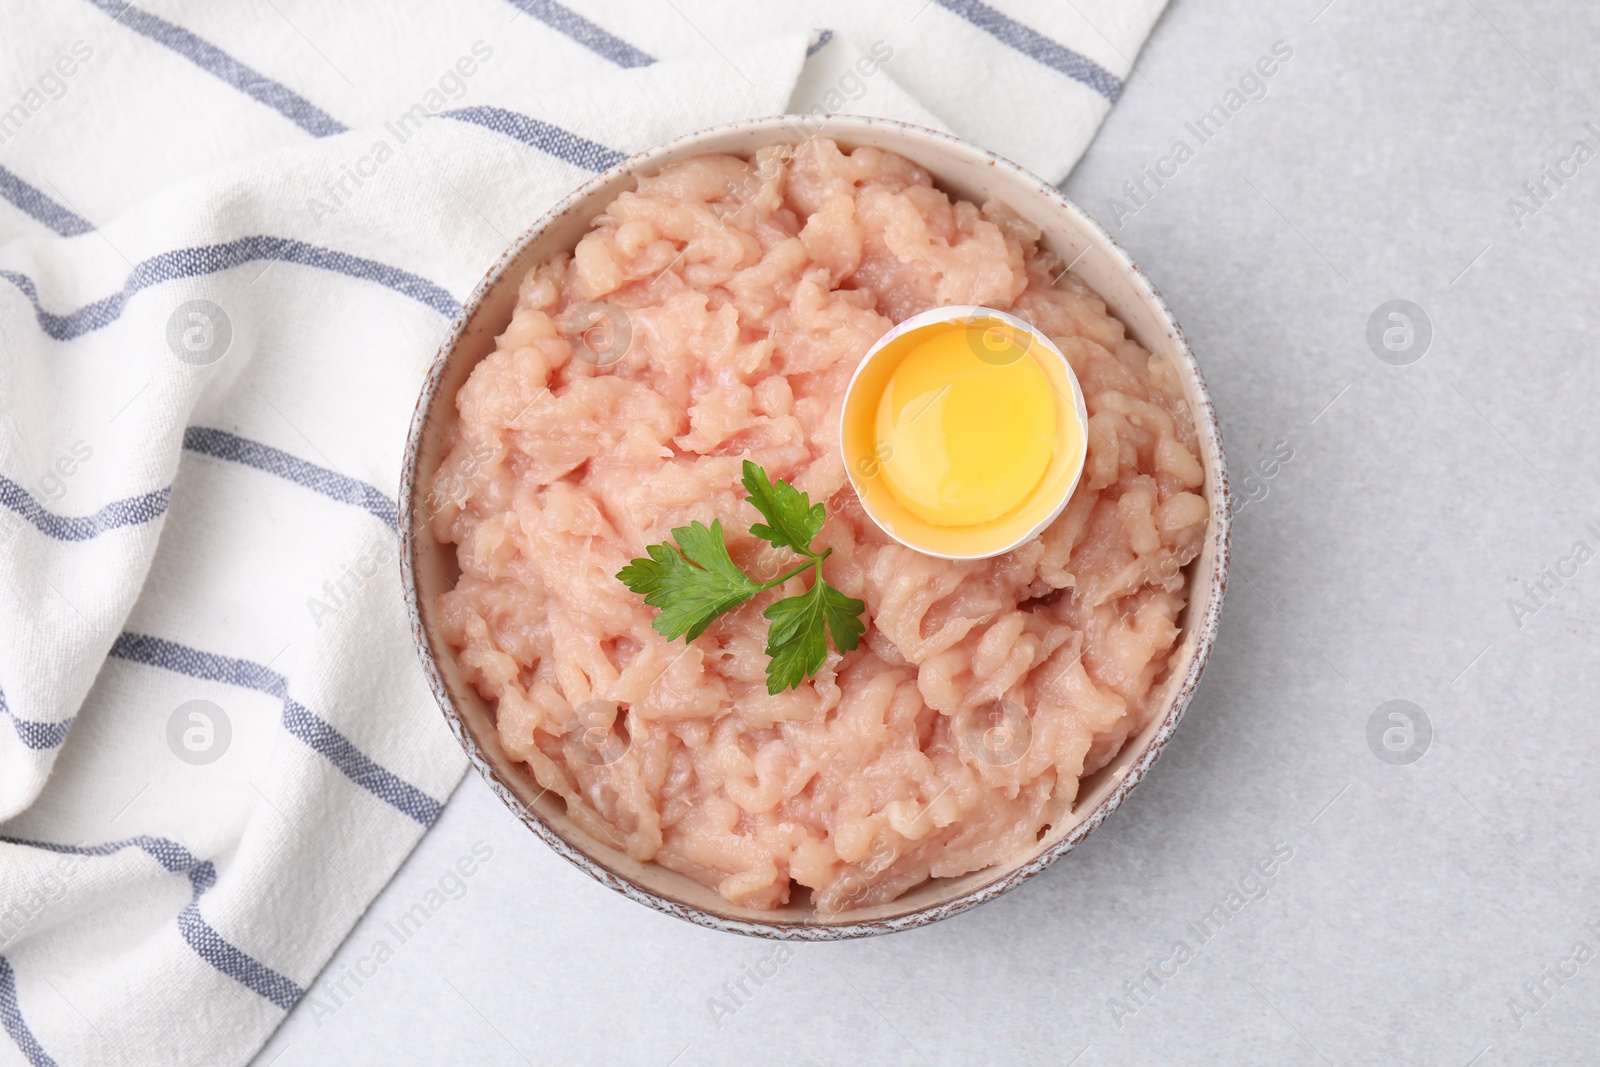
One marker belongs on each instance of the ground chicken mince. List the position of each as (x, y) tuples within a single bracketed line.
[(745, 292)]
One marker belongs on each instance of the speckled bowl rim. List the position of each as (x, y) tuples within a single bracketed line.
[(1206, 621)]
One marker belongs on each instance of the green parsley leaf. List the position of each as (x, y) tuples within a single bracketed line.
[(692, 583), (792, 520), (797, 640), (844, 617), (695, 580)]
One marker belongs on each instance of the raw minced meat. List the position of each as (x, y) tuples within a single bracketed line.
[(745, 292)]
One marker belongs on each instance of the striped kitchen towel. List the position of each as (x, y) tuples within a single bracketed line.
[(231, 238)]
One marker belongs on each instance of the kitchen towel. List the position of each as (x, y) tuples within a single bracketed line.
[(231, 240)]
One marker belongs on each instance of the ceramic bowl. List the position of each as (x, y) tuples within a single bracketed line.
[(429, 569)]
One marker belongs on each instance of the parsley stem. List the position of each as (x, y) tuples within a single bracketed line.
[(814, 561)]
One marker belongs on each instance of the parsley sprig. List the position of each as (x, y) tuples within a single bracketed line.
[(694, 581)]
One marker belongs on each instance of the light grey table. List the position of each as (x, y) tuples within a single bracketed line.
[(1432, 912)]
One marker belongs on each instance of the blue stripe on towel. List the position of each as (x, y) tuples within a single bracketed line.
[(223, 445), (197, 933), (115, 515), (15, 1024), (319, 735), (211, 259), (36, 735), (233, 962), (563, 144), (595, 38), (213, 60), (58, 217), (1036, 46)]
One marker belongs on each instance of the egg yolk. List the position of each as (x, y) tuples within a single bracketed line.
[(967, 425)]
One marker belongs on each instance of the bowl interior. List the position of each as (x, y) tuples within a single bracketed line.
[(960, 170)]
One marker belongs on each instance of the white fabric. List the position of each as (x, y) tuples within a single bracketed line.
[(161, 910)]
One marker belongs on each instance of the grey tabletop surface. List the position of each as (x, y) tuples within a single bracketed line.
[(1313, 873)]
